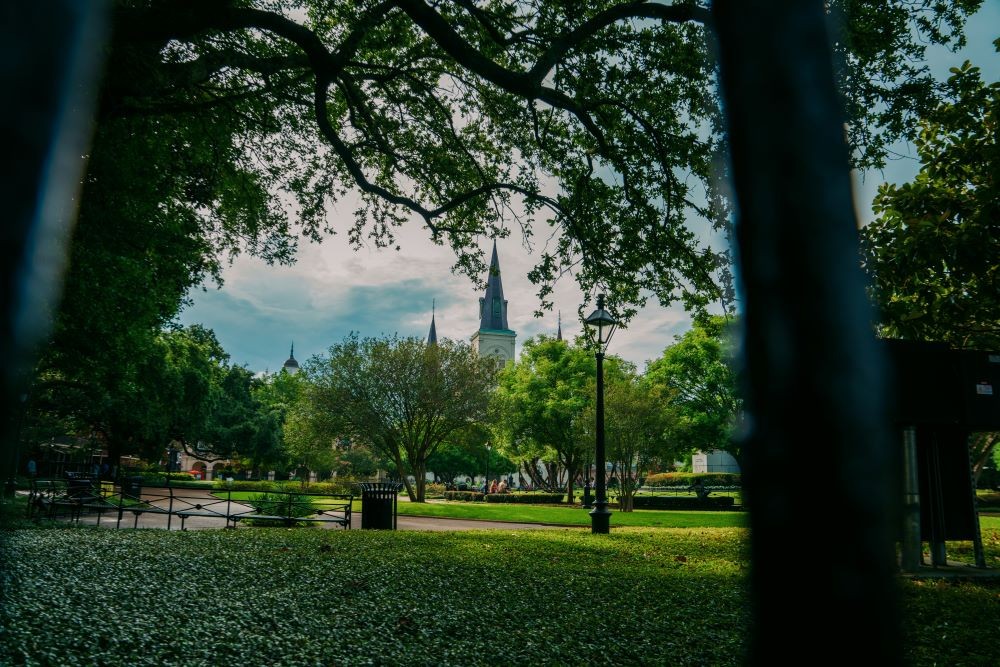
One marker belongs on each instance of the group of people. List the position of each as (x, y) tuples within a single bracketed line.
[(498, 486)]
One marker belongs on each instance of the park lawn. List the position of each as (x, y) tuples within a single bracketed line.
[(302, 597), (570, 516), (546, 514)]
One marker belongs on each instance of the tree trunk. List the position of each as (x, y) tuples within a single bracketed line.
[(420, 475), (981, 450), (812, 372)]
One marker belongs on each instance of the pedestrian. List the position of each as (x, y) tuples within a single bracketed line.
[(502, 488), (493, 486)]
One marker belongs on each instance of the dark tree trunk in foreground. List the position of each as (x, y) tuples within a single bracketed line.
[(818, 467)]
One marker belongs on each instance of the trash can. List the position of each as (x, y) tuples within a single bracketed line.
[(132, 486), (378, 505)]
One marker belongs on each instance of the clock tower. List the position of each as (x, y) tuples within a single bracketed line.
[(494, 337)]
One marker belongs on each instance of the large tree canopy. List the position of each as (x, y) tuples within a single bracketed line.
[(933, 252), (472, 117), (401, 396)]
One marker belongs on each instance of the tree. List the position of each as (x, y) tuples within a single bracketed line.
[(401, 396), (696, 377), (420, 105), (932, 254), (637, 421), (540, 401)]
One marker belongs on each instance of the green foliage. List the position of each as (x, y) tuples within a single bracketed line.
[(666, 479), (279, 504), (365, 586), (683, 502), (697, 377), (541, 403), (468, 496), (536, 498), (400, 397), (932, 253)]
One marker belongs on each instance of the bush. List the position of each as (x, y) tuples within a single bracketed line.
[(468, 496), (433, 490), (667, 479), (278, 504), (531, 497), (259, 485), (337, 486), (682, 503)]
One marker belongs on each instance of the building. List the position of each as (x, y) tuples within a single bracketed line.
[(715, 460), (291, 366), (494, 336)]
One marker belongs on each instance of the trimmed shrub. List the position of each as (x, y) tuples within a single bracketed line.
[(665, 479), (532, 497), (278, 504), (433, 490), (468, 496), (682, 503), (259, 485)]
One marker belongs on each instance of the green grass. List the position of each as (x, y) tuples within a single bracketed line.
[(572, 516), (315, 597), (549, 514)]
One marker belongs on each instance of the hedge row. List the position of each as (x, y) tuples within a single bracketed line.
[(536, 498), (468, 496), (689, 478), (682, 503), (337, 486)]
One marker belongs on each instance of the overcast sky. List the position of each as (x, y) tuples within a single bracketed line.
[(331, 290)]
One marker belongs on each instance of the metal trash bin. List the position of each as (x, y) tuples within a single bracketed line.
[(132, 487), (378, 505)]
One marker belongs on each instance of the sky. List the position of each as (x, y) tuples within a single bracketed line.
[(332, 290)]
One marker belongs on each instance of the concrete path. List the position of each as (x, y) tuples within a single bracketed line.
[(148, 520)]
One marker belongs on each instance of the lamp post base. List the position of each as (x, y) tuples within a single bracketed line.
[(600, 519)]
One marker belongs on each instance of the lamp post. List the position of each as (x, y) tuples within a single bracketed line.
[(600, 327), (486, 482)]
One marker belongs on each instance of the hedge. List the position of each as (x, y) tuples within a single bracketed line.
[(682, 503), (689, 478), (536, 498), (469, 496)]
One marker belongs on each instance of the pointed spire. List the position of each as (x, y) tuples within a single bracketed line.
[(493, 307), (291, 365), (559, 329), (432, 336)]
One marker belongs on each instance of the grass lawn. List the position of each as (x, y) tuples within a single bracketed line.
[(316, 597), (288, 597), (573, 516), (549, 514)]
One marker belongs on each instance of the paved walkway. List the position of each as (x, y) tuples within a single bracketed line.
[(129, 520)]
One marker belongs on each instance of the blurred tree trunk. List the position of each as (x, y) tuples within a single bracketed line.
[(822, 575)]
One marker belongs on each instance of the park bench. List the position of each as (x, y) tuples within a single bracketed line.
[(71, 497)]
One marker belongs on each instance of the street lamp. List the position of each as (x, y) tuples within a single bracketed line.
[(486, 483), (600, 327)]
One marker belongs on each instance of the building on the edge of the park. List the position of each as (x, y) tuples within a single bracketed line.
[(715, 460)]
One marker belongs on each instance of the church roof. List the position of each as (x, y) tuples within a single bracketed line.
[(493, 307)]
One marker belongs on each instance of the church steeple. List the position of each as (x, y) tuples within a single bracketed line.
[(291, 366), (494, 337), (432, 336), (493, 307), (559, 328)]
